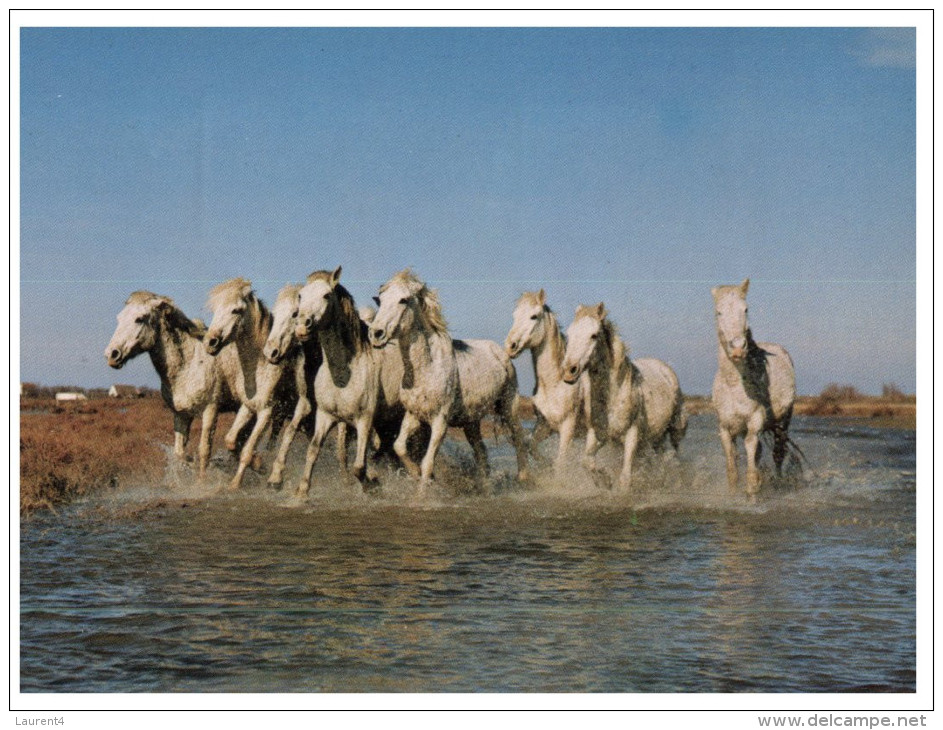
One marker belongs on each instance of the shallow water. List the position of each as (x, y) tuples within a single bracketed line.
[(559, 587)]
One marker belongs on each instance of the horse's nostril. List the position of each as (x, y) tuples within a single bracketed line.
[(274, 352), (213, 341), (115, 354), (377, 334), (308, 323)]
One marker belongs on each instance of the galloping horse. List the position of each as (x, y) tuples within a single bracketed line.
[(190, 380), (347, 386), (445, 382), (559, 404), (638, 402), (236, 336), (301, 358), (754, 389)]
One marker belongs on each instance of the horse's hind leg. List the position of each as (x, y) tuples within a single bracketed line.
[(510, 407), (541, 431), (473, 434), (678, 427), (182, 423)]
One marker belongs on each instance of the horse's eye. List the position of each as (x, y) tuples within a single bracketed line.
[(404, 300), (593, 336), (328, 295), (294, 315), (535, 316), (139, 320), (237, 312)]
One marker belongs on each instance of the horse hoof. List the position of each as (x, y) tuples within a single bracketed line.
[(257, 462)]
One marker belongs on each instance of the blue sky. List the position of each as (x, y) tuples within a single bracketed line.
[(638, 167)]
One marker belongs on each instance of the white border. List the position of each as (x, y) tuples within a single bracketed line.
[(760, 703)]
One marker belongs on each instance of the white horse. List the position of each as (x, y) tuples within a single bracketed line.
[(445, 382), (236, 337), (190, 381), (302, 358), (754, 389), (347, 386), (559, 404), (638, 402)]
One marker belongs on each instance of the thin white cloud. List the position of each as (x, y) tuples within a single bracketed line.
[(888, 48)]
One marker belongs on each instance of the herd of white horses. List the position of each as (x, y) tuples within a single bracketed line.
[(397, 378)]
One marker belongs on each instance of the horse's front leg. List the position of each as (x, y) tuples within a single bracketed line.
[(439, 427), (752, 443), (364, 426), (182, 423), (567, 429), (408, 426), (728, 441), (239, 423), (323, 422), (248, 449), (473, 434), (593, 445), (540, 432), (207, 431), (631, 441), (341, 435), (302, 409)]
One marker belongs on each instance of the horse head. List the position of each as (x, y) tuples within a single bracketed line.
[(284, 317), (138, 327), (399, 307), (583, 338), (528, 328), (730, 313), (316, 301), (229, 302)]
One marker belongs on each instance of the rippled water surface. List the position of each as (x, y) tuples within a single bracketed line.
[(559, 586)]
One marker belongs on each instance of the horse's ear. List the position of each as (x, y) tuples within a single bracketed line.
[(541, 297), (336, 276), (600, 311), (744, 286)]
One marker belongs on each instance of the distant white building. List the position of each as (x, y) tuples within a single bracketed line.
[(124, 391), (67, 396)]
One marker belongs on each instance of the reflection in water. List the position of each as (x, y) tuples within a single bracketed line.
[(560, 587)]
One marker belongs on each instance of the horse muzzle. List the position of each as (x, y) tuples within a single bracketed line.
[(378, 337), (512, 349), (571, 374), (115, 359), (213, 345)]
